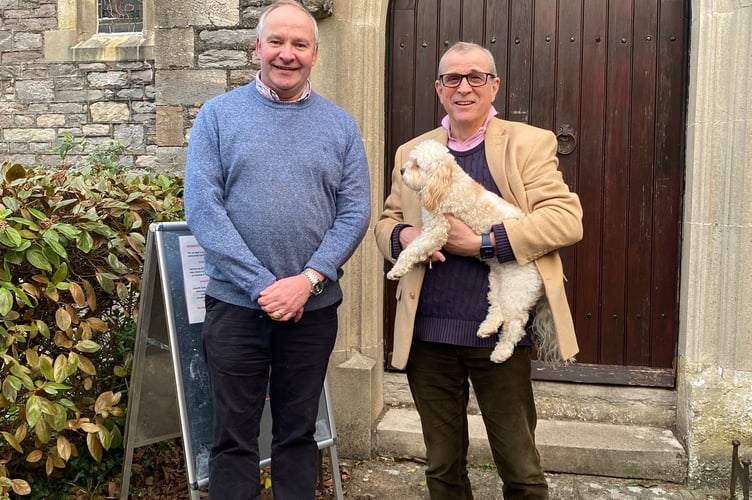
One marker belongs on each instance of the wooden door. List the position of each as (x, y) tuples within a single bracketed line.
[(608, 77)]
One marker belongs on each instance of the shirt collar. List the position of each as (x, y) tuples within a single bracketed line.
[(472, 141), (270, 94)]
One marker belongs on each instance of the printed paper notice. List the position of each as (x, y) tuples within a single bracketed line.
[(194, 278)]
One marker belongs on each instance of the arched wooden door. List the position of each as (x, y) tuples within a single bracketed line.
[(609, 78)]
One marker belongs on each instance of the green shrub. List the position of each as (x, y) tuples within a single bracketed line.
[(72, 244)]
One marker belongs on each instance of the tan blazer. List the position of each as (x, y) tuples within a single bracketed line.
[(523, 163)]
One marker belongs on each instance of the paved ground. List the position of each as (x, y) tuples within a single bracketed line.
[(390, 479)]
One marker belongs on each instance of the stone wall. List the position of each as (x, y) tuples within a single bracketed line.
[(201, 53), (99, 101), (714, 366)]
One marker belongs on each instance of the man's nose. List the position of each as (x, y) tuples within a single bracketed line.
[(465, 83), (285, 51)]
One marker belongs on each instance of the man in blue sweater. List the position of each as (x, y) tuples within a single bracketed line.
[(277, 194)]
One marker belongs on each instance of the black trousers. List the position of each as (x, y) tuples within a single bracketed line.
[(241, 346), (439, 376)]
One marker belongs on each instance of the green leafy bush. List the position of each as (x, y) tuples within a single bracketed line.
[(72, 244)]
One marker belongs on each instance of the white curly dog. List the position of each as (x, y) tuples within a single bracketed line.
[(514, 290)]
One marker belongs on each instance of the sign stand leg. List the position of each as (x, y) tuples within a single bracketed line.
[(336, 476)]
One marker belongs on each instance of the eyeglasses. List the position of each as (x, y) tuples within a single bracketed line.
[(454, 80)]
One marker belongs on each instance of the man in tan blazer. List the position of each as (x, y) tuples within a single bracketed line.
[(440, 307)]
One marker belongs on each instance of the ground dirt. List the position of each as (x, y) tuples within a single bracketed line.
[(158, 472), (165, 477)]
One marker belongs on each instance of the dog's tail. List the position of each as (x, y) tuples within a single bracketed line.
[(544, 334)]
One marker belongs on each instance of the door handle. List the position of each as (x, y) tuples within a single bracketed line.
[(566, 139)]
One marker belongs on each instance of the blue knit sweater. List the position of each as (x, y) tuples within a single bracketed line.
[(272, 188)]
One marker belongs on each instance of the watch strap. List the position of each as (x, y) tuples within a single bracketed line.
[(486, 248)]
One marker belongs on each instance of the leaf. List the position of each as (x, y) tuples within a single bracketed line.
[(9, 391), (42, 430), (62, 319), (116, 437), (106, 281), (10, 237), (52, 239), (37, 214), (104, 402), (6, 301), (61, 273), (34, 456), (86, 366), (33, 411), (45, 366), (11, 439), (90, 427), (60, 419), (63, 447), (16, 171), (36, 257), (21, 433), (61, 368), (78, 294), (91, 295), (97, 324), (21, 487), (84, 242), (88, 346), (67, 230), (95, 447), (21, 295), (43, 328), (62, 340), (32, 358), (23, 374)]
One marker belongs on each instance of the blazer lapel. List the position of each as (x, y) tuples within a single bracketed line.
[(497, 158)]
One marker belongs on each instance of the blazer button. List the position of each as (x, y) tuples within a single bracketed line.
[(412, 295)]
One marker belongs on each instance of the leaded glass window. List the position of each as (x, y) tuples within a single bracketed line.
[(120, 16)]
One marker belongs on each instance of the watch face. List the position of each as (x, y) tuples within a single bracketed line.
[(317, 288)]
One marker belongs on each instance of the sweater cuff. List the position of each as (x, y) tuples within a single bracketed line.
[(396, 247), (504, 250)]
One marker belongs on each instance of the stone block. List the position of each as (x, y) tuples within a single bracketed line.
[(170, 126), (352, 392), (189, 87)]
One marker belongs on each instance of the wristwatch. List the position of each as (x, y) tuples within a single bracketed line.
[(486, 248), (317, 286)]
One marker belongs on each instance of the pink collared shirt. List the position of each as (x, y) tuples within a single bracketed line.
[(478, 137)]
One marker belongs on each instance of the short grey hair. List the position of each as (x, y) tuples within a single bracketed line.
[(463, 47), (280, 3)]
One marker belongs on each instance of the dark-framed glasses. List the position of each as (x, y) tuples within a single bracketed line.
[(453, 80)]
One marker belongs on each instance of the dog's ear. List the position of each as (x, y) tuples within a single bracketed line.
[(438, 184)]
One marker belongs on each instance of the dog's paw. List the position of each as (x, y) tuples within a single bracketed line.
[(396, 273), (488, 328), (502, 352)]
